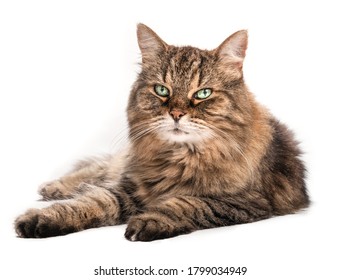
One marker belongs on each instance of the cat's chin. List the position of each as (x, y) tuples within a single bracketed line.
[(180, 136)]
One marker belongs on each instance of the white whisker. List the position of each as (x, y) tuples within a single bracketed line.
[(144, 129), (118, 142)]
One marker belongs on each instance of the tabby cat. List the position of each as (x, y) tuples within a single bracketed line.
[(202, 154)]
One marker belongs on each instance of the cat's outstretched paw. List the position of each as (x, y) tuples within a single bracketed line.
[(34, 224), (144, 228)]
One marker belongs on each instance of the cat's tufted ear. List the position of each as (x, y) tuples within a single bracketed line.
[(149, 43), (233, 49)]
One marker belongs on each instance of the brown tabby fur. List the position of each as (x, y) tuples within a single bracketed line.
[(192, 163)]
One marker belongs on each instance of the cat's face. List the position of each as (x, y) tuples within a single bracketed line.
[(184, 94)]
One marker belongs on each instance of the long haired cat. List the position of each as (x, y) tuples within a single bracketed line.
[(202, 154)]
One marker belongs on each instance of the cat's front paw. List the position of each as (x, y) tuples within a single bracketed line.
[(35, 224), (145, 228)]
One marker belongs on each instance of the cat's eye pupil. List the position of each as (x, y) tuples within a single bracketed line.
[(162, 90), (203, 93)]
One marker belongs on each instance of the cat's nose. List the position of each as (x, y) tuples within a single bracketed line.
[(177, 114)]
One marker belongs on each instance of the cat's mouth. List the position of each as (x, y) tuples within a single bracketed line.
[(178, 131), (183, 131), (177, 134)]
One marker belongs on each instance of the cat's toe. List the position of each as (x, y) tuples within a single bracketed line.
[(133, 229)]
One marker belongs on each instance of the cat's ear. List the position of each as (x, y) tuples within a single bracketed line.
[(149, 43), (233, 49)]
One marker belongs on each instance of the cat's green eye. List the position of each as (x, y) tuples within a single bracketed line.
[(162, 91), (203, 93)]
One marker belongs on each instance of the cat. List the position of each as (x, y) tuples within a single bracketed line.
[(202, 154)]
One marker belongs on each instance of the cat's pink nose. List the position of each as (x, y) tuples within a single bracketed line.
[(177, 114)]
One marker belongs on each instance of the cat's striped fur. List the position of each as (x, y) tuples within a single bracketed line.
[(192, 163)]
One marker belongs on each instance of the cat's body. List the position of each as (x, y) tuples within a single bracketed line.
[(203, 153)]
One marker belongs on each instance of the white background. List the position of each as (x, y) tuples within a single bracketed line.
[(66, 68)]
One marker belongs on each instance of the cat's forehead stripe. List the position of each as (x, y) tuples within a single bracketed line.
[(185, 66)]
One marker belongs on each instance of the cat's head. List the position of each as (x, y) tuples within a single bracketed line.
[(187, 95)]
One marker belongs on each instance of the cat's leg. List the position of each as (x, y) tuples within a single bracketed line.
[(96, 207), (93, 171), (184, 214), (67, 186)]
